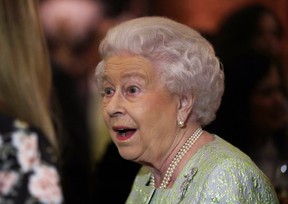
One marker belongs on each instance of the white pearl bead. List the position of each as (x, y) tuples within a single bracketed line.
[(180, 154)]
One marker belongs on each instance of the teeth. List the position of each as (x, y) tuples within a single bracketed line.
[(122, 132)]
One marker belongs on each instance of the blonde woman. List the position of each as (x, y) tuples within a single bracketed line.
[(28, 172)]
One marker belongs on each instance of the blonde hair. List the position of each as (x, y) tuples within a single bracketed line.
[(25, 73)]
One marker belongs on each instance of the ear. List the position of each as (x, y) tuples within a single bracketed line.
[(185, 107)]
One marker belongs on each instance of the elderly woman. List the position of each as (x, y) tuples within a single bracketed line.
[(161, 82)]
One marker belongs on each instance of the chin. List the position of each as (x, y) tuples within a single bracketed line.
[(126, 153)]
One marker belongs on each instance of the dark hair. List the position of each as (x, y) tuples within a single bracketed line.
[(240, 28), (233, 117)]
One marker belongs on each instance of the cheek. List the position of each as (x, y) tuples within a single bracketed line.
[(155, 110), (106, 118), (156, 122), (144, 112)]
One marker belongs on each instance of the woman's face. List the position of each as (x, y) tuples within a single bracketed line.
[(268, 40), (138, 110), (268, 105)]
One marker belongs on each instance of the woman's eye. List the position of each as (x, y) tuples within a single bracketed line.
[(108, 91), (133, 90)]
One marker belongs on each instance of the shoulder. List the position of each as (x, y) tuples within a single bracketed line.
[(140, 192), (219, 150), (18, 133), (26, 164), (142, 176), (226, 169)]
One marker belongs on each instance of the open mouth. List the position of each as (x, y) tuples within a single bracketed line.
[(124, 133)]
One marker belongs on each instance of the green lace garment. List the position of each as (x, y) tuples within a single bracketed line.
[(217, 173)]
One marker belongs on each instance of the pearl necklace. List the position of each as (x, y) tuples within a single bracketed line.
[(180, 154)]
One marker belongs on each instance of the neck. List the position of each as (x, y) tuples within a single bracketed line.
[(162, 180)]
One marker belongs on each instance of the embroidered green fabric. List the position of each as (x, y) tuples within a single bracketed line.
[(221, 173)]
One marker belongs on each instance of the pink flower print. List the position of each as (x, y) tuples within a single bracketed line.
[(7, 181), (27, 144), (44, 185)]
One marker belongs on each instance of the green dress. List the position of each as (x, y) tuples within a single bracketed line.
[(217, 173)]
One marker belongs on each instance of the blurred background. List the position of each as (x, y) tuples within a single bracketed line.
[(92, 170), (208, 15)]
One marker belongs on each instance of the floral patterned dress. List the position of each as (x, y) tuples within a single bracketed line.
[(28, 173)]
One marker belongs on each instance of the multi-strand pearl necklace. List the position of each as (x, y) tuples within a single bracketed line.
[(180, 154)]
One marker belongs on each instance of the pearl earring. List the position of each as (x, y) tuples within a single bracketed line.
[(180, 123)]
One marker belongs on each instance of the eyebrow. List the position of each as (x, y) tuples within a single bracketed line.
[(128, 76)]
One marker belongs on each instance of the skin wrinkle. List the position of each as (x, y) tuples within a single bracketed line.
[(120, 73)]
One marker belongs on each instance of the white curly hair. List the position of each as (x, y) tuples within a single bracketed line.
[(187, 60)]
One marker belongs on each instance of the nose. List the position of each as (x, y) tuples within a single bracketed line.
[(115, 106)]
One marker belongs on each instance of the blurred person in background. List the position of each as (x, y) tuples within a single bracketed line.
[(252, 28), (254, 116), (28, 145), (246, 37), (71, 28)]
